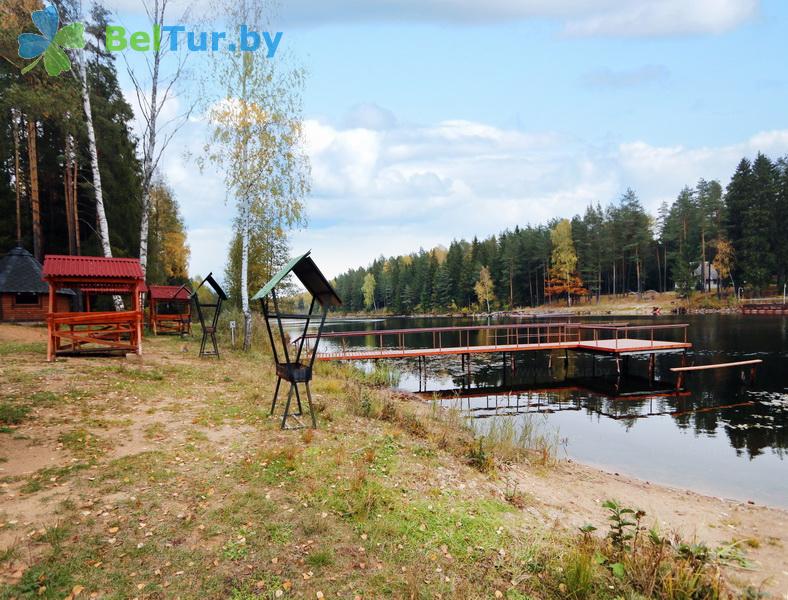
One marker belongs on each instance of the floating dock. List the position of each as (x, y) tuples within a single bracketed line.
[(764, 308)]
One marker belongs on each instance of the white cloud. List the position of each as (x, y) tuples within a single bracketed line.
[(390, 190), (393, 191), (577, 17), (664, 17)]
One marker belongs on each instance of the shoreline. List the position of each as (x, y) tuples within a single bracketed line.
[(576, 490), (667, 303), (570, 492)]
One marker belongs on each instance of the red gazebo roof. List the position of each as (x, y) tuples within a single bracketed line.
[(91, 267), (169, 292)]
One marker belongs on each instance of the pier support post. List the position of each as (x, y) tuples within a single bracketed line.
[(652, 363), (625, 365)]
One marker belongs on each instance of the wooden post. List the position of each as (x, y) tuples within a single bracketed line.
[(50, 324), (135, 302)]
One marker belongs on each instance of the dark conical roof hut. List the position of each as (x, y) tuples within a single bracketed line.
[(23, 292)]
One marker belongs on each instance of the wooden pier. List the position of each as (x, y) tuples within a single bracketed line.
[(764, 308), (739, 363), (613, 339)]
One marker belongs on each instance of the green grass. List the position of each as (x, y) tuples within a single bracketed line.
[(49, 476), (320, 558), (13, 414), (369, 504), (84, 444), (13, 348)]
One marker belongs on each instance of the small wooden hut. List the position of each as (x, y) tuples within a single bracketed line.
[(96, 280), (169, 309), (23, 292)]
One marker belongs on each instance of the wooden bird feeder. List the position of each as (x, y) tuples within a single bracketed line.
[(296, 369), (208, 314)]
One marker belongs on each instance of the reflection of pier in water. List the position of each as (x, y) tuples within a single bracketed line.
[(622, 398)]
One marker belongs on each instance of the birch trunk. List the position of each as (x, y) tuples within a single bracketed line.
[(17, 179), (245, 281), (245, 220), (703, 262), (101, 216), (150, 148)]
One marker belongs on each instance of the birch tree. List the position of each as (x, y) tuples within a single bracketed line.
[(256, 138), (153, 90), (368, 288), (17, 176), (484, 288), (101, 215)]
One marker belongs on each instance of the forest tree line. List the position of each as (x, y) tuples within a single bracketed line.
[(48, 189), (738, 233)]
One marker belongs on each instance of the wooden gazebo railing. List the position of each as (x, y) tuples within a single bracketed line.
[(96, 332)]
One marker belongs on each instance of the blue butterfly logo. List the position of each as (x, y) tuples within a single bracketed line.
[(49, 45)]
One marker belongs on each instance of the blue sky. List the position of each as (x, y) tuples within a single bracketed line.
[(428, 121)]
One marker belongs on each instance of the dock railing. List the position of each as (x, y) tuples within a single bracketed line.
[(618, 332), (505, 336), (467, 336)]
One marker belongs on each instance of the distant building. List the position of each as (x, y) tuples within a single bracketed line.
[(23, 293), (709, 273)]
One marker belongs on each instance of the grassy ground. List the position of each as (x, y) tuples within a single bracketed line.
[(165, 478)]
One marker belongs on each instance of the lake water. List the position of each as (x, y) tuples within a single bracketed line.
[(722, 436)]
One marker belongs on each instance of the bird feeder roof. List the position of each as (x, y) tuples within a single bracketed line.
[(310, 277)]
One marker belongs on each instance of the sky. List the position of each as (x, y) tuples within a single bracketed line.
[(432, 120)]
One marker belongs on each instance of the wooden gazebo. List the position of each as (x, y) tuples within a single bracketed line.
[(169, 309), (95, 280)]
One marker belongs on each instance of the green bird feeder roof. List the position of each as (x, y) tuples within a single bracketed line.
[(310, 277)]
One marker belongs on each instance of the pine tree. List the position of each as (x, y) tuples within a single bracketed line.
[(757, 258), (738, 196)]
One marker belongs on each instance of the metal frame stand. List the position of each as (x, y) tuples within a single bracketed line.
[(209, 331), (295, 371)]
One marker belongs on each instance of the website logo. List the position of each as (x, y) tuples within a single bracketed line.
[(50, 44), (119, 39)]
